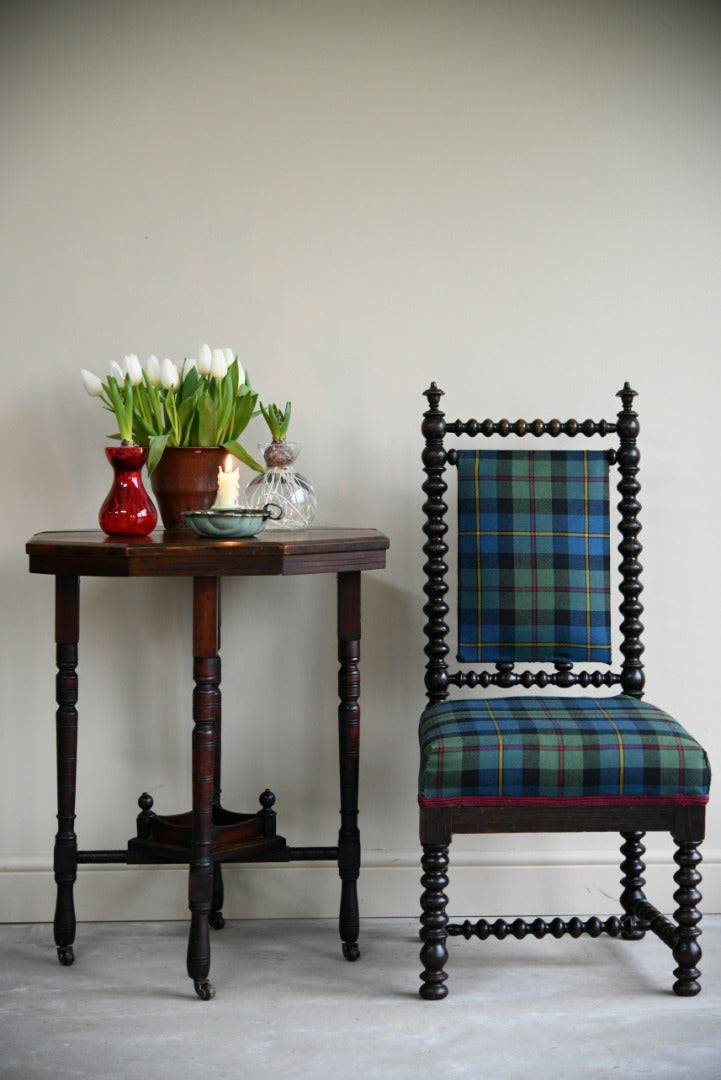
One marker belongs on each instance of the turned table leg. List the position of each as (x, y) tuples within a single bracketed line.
[(349, 850), (206, 709), (215, 917), (65, 862)]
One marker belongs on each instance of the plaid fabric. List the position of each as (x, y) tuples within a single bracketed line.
[(533, 556), (500, 750)]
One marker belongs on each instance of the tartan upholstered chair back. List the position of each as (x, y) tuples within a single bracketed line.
[(534, 546), (534, 613), (533, 556)]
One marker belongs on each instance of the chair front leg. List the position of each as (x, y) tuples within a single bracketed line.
[(433, 922), (687, 951)]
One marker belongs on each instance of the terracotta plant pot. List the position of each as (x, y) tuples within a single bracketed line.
[(186, 478)]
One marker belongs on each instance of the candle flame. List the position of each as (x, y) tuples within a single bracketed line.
[(228, 464)]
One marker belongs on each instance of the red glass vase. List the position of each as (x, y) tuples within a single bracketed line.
[(128, 509)]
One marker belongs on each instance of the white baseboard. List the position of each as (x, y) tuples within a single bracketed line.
[(518, 883)]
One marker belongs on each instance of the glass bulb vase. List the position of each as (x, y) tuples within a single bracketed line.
[(282, 485)]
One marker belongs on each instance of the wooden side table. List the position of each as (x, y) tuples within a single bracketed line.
[(208, 835)]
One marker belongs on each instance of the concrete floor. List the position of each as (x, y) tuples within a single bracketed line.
[(288, 1005)]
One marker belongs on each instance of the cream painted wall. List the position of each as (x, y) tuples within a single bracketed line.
[(521, 200)]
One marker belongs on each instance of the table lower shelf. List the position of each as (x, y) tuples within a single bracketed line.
[(259, 849), (235, 837)]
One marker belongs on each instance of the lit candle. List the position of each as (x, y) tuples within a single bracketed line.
[(227, 488)]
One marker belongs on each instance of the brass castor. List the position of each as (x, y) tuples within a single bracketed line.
[(351, 950), (204, 989), (66, 956)]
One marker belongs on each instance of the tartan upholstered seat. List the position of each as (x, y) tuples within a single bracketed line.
[(533, 560), (556, 751)]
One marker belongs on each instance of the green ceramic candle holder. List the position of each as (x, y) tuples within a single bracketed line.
[(233, 523)]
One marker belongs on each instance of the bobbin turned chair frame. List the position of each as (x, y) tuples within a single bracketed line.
[(685, 822)]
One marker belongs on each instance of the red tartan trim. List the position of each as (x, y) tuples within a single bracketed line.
[(582, 800)]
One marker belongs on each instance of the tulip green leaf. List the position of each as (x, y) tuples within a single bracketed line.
[(225, 410), (156, 445), (207, 426), (244, 411), (233, 447), (190, 384), (234, 376)]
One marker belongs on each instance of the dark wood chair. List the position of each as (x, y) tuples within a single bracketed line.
[(533, 588)]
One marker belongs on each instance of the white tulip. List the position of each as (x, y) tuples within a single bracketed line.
[(169, 374), (153, 369), (204, 360), (91, 383), (188, 367), (229, 358), (218, 364), (241, 377), (117, 372), (133, 368)]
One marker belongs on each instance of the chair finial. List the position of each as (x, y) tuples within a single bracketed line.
[(627, 394)]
